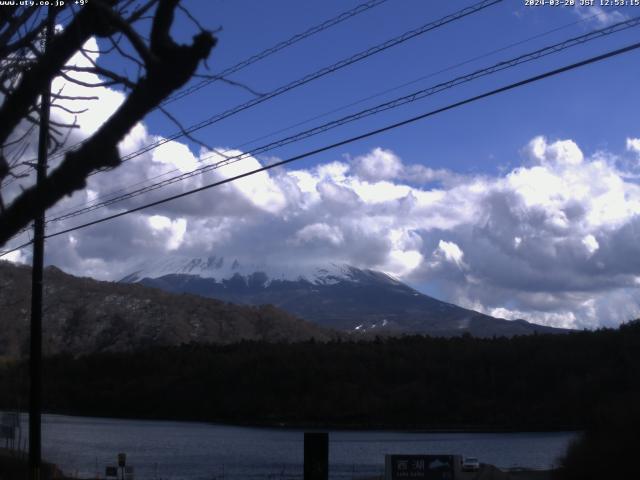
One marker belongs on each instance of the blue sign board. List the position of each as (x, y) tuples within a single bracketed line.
[(419, 467)]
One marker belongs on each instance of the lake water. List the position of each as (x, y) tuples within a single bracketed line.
[(83, 446)]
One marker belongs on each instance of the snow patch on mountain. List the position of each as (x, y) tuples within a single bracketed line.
[(221, 268)]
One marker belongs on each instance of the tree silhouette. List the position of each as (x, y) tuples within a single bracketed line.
[(162, 66)]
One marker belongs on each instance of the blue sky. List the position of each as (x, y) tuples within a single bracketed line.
[(595, 106), (522, 205)]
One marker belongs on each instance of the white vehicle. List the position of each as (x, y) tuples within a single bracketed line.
[(470, 464)]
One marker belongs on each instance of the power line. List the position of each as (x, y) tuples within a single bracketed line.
[(15, 249), (371, 133), (28, 168), (276, 48), (511, 86), (419, 79), (112, 194), (306, 79), (363, 7), (317, 74), (500, 66)]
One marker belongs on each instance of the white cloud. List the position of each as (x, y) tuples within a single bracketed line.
[(384, 165), (558, 319), (405, 252), (633, 145), (259, 189), (175, 154), (590, 243), (379, 164), (599, 16), (452, 253), (17, 256), (107, 102), (318, 232), (560, 153), (171, 232), (554, 240)]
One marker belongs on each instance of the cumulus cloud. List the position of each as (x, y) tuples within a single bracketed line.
[(554, 240), (107, 102), (598, 15), (591, 244), (171, 232), (381, 164), (451, 252), (320, 232), (633, 145)]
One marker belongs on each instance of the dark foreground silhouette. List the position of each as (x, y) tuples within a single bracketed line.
[(13, 466), (539, 382), (584, 381), (609, 446)]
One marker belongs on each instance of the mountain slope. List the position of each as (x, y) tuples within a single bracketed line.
[(335, 296), (82, 315)]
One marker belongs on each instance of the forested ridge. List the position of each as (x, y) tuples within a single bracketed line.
[(524, 383)]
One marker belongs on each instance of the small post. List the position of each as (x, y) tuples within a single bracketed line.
[(122, 463), (35, 352), (316, 456)]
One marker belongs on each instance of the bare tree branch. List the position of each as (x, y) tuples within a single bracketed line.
[(140, 12), (192, 18), (63, 46), (188, 135), (68, 110), (75, 98), (127, 30), (87, 84), (234, 83), (21, 137), (15, 23), (100, 71), (116, 46), (167, 67)]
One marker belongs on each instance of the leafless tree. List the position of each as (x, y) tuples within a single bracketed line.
[(138, 32)]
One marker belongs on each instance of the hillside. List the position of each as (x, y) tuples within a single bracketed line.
[(83, 315), (337, 296)]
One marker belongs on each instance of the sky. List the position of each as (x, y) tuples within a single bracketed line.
[(521, 205)]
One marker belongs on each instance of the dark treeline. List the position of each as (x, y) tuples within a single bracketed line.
[(608, 449), (534, 382)]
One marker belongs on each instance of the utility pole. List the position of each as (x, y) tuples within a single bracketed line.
[(35, 355)]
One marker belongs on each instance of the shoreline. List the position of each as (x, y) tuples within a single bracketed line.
[(301, 426), (12, 463)]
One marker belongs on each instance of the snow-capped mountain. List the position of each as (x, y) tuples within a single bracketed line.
[(334, 295), (219, 268)]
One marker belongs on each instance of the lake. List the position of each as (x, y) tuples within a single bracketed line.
[(83, 446)]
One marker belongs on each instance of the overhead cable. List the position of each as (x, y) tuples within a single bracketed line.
[(368, 134), (406, 99)]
